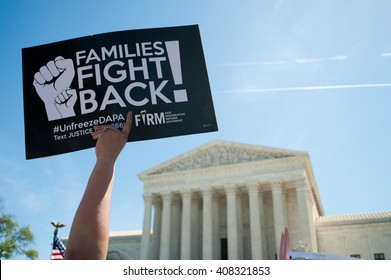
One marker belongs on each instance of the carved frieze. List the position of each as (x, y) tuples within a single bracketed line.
[(219, 156)]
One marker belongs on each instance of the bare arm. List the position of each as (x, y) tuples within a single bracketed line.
[(89, 234)]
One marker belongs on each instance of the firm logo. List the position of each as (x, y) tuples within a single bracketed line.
[(149, 119)]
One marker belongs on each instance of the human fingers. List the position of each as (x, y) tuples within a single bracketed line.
[(96, 134), (39, 79), (67, 73), (104, 127), (52, 68), (45, 73), (98, 130), (61, 98)]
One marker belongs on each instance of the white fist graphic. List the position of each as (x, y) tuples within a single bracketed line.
[(52, 83)]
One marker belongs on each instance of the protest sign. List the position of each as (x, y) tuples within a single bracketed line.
[(158, 74)]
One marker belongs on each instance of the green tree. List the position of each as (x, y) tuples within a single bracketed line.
[(14, 239)]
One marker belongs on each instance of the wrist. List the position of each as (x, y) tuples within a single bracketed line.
[(106, 160)]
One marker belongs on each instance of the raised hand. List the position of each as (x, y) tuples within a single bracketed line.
[(110, 140)]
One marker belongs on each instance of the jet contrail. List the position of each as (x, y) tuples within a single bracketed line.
[(303, 88)]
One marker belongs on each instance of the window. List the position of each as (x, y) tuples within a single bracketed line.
[(379, 256), (357, 256)]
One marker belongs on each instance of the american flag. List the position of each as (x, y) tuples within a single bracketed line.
[(58, 250)]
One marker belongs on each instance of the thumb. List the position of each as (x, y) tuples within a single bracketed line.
[(63, 64), (128, 124), (72, 95)]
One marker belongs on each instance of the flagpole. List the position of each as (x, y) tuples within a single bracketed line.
[(58, 249)]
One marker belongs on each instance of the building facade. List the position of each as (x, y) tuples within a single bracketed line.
[(226, 200)]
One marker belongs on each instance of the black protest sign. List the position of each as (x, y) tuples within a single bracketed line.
[(157, 74)]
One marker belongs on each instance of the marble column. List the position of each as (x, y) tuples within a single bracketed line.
[(306, 219), (146, 237), (232, 223), (239, 214), (176, 228), (207, 225), (186, 226), (263, 225), (166, 223), (279, 210), (157, 226), (255, 222), (195, 226), (216, 227)]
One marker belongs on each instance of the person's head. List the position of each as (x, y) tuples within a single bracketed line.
[(117, 255)]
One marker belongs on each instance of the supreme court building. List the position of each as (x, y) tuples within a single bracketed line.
[(226, 200)]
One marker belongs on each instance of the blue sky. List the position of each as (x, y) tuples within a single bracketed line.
[(303, 75)]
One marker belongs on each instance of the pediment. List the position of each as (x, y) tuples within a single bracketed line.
[(220, 153)]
